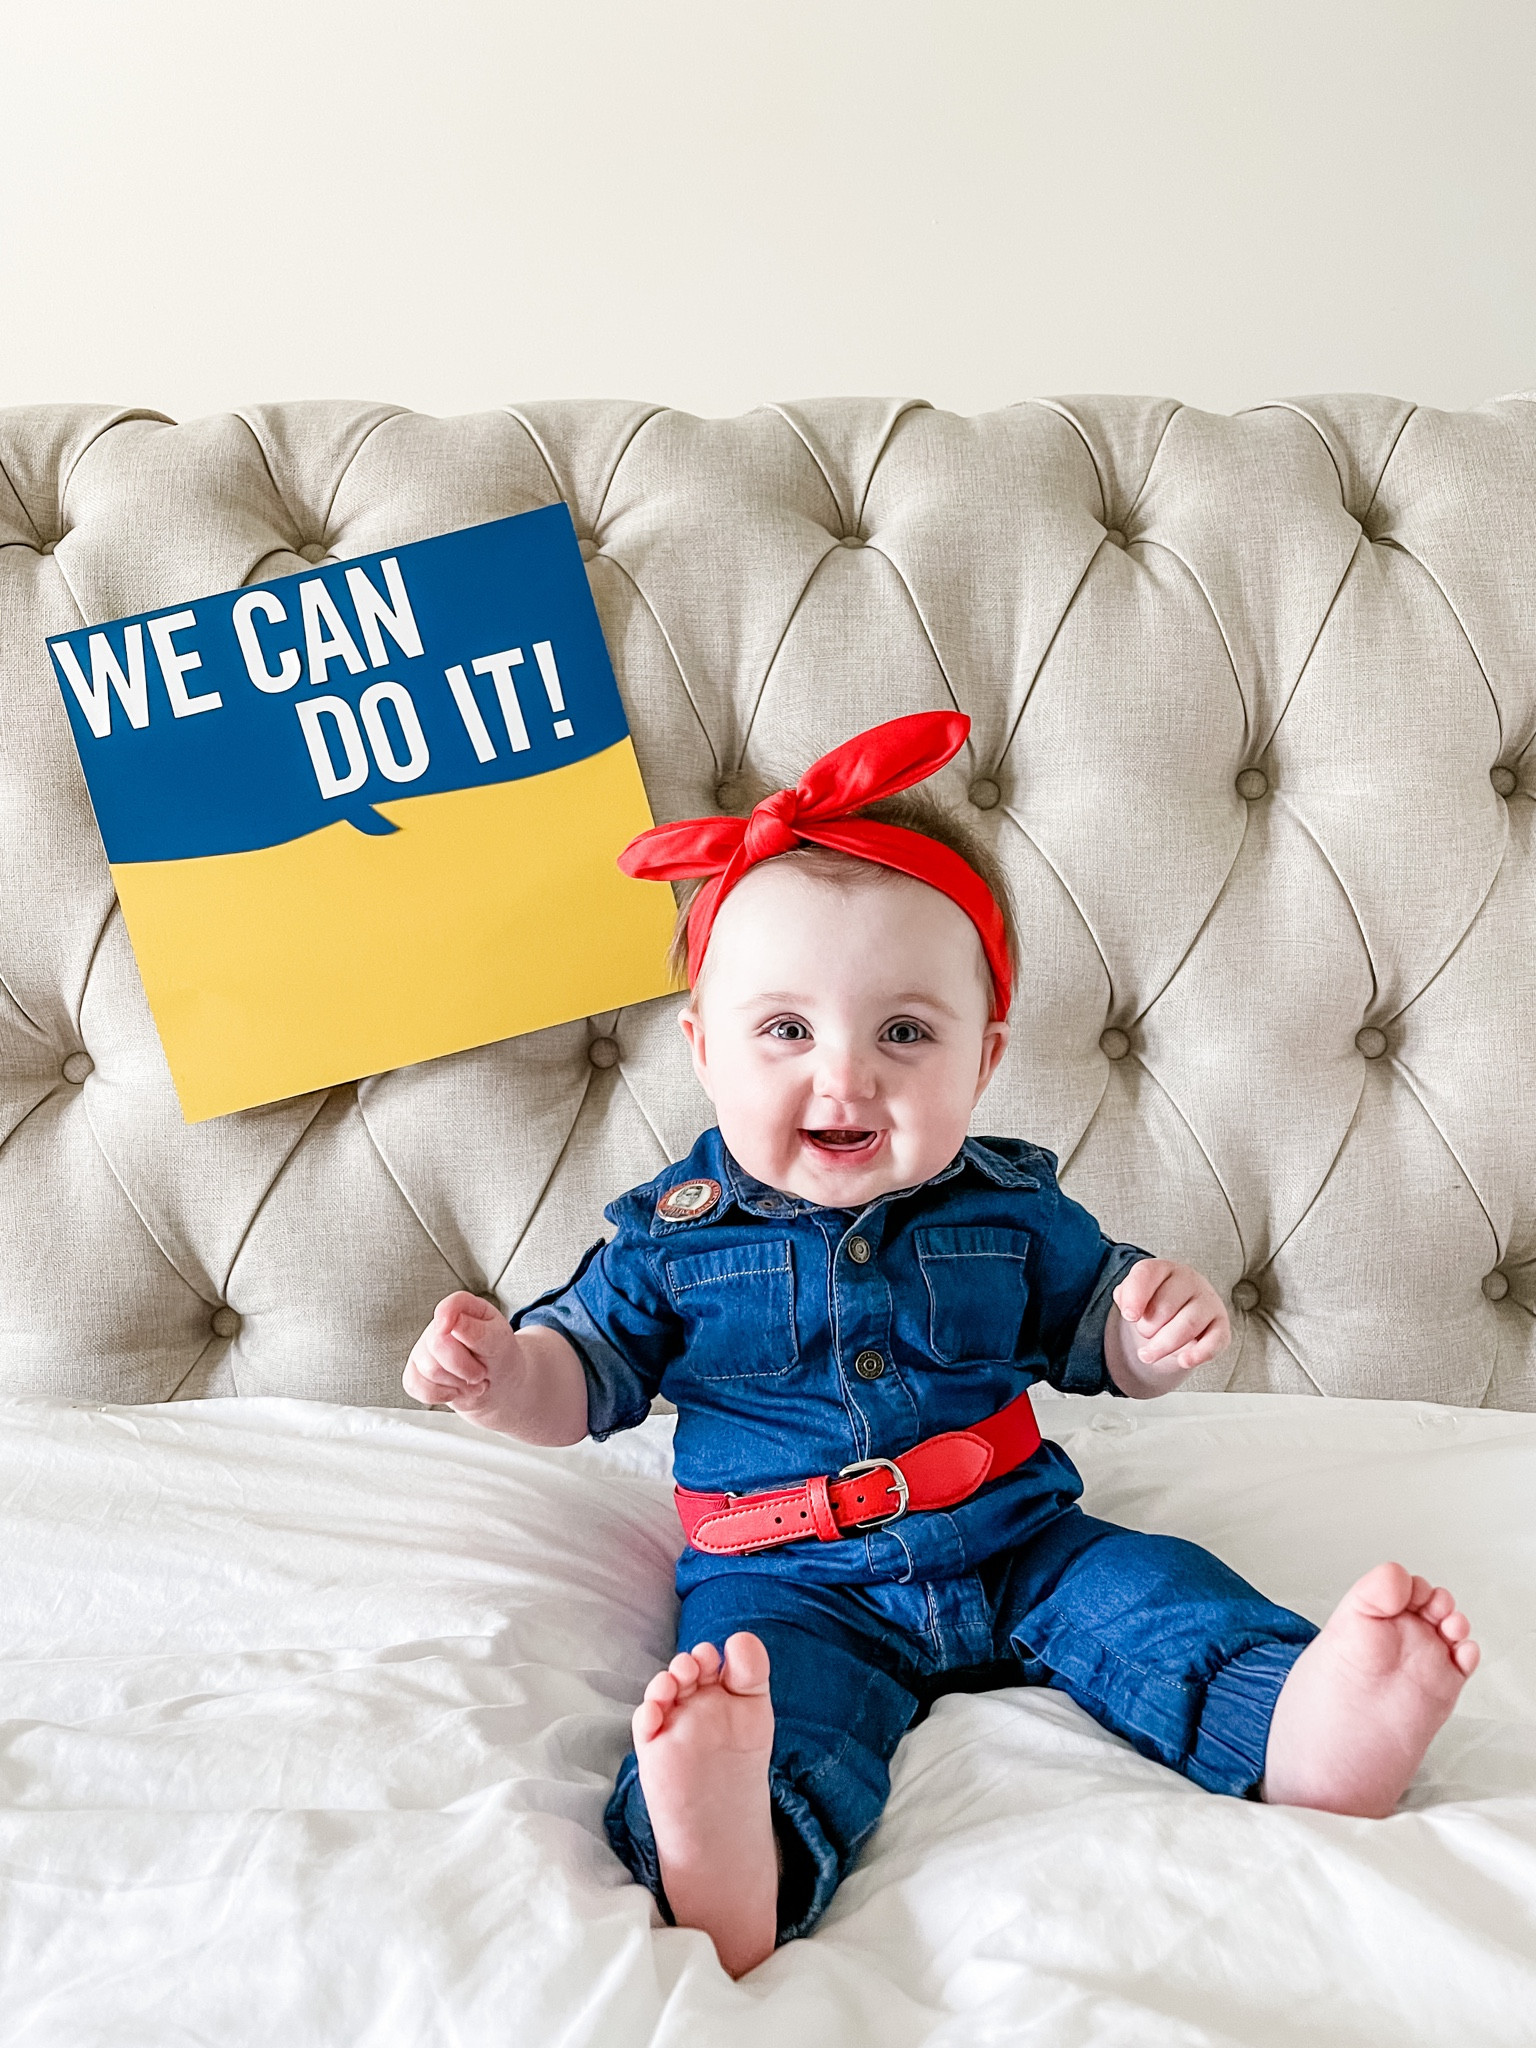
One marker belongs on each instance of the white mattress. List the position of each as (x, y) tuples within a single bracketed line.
[(310, 1714)]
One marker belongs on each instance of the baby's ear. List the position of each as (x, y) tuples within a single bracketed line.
[(994, 1043), (691, 1024)]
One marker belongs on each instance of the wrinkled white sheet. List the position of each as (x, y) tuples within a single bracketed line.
[(309, 1714)]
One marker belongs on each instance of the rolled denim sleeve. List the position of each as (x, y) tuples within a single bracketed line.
[(1078, 1272), (621, 1326), (1083, 1370)]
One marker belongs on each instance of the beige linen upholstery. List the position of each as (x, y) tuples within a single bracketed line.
[(1253, 700)]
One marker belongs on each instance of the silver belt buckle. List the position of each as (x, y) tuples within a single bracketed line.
[(903, 1491)]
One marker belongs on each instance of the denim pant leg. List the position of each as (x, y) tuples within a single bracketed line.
[(1156, 1639), (841, 1678)]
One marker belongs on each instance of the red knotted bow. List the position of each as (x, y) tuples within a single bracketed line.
[(872, 765)]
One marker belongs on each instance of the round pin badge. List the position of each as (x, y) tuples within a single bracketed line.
[(692, 1198)]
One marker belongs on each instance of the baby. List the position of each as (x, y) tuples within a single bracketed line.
[(847, 1298)]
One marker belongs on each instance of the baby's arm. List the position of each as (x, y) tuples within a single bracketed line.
[(1167, 1319), (526, 1383)]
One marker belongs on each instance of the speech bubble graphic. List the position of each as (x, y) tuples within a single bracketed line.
[(259, 715)]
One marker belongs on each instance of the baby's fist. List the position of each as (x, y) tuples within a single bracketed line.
[(455, 1356), (1174, 1316)]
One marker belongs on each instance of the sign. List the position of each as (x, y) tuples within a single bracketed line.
[(369, 814)]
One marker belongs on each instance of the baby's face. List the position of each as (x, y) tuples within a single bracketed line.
[(842, 1033)]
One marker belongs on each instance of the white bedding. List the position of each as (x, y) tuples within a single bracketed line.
[(310, 1713)]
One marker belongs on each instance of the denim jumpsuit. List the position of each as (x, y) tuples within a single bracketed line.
[(794, 1340)]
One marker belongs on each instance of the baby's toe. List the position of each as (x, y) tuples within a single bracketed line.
[(1466, 1657), (707, 1657), (1420, 1593), (746, 1664), (1455, 1627), (1438, 1605), (663, 1690), (685, 1669), (1383, 1592)]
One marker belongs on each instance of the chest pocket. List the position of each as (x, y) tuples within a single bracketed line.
[(978, 1288), (739, 1308)]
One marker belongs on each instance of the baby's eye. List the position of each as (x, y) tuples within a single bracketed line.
[(789, 1029), (905, 1032)]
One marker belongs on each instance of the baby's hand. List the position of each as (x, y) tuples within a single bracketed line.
[(459, 1353), (1173, 1321), (528, 1383)]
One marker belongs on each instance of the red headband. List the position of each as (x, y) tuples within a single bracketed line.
[(819, 809)]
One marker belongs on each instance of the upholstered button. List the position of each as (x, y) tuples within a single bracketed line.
[(1370, 1041), (1114, 1044), (1504, 780), (314, 551), (603, 1052), (225, 1322), (853, 540), (77, 1067), (1245, 1296), (730, 793), (1252, 784), (47, 547), (858, 1250), (1114, 536), (984, 793), (1495, 1285), (869, 1365), (588, 547)]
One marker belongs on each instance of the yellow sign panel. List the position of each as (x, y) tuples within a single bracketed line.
[(450, 932)]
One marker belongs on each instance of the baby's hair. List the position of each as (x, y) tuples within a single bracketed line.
[(915, 810)]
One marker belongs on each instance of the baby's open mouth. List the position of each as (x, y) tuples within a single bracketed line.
[(844, 1143)]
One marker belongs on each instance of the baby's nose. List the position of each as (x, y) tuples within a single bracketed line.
[(845, 1075)]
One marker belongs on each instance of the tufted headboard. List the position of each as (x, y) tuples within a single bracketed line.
[(1254, 704)]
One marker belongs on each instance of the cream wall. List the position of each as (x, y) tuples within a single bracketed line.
[(717, 201)]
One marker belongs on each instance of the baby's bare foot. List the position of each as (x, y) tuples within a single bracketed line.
[(703, 1736), (1363, 1700)]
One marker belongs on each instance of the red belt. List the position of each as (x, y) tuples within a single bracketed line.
[(934, 1474)]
